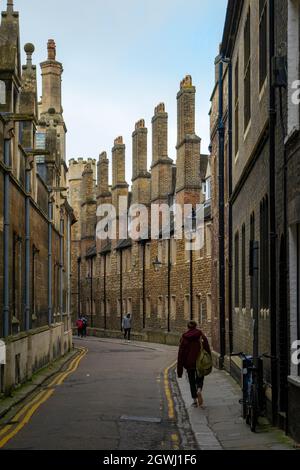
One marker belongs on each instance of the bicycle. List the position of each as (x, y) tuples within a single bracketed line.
[(253, 399)]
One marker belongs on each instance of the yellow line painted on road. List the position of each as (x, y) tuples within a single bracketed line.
[(35, 403), (26, 418), (71, 369), (21, 412), (61, 377), (175, 440), (171, 410)]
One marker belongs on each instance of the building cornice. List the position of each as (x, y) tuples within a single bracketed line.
[(232, 21)]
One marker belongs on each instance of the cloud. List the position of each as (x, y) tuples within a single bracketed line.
[(121, 58)]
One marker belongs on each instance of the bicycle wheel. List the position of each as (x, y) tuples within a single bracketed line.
[(254, 410)]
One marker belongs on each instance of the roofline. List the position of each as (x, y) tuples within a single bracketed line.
[(233, 15)]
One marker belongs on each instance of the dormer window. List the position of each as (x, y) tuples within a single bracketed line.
[(2, 92)]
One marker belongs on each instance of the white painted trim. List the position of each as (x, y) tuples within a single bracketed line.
[(263, 89), (247, 130), (294, 380)]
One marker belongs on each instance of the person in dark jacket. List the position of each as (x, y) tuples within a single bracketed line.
[(189, 350), (79, 325), (126, 326)]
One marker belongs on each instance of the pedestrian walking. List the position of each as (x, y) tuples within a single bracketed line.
[(126, 325), (84, 326), (79, 325), (191, 345)]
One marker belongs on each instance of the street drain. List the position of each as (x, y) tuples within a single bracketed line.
[(140, 419)]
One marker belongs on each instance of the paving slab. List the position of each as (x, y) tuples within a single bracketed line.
[(218, 425)]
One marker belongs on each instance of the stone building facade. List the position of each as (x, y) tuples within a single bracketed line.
[(35, 216), (254, 135), (117, 276)]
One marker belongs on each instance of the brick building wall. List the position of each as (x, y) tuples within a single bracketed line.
[(250, 202), (33, 339), (139, 289)]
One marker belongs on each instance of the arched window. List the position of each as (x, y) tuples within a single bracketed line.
[(2, 92)]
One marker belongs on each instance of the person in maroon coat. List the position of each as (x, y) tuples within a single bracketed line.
[(189, 350)]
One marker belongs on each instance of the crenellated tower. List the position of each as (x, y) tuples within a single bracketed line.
[(75, 183)]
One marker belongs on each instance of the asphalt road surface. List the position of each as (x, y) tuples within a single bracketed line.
[(121, 397)]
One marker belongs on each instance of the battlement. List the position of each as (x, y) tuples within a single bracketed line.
[(187, 82), (77, 167), (119, 141), (81, 161), (160, 109), (140, 124)]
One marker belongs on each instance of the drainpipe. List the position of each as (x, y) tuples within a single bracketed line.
[(61, 266), (121, 287), (27, 320), (104, 295), (34, 254), (191, 286), (78, 285), (14, 287), (221, 132), (50, 215), (169, 284), (6, 232), (144, 285), (91, 287), (69, 264), (273, 265), (255, 274), (230, 225)]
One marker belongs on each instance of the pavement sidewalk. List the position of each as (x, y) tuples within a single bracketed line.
[(19, 395), (219, 425)]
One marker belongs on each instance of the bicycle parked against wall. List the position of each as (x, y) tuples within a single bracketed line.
[(253, 399)]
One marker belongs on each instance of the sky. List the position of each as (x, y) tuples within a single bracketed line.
[(123, 57)]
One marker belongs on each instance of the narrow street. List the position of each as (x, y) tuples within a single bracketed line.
[(117, 399)]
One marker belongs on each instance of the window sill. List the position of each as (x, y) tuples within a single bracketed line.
[(264, 313), (247, 130), (291, 135), (263, 89), (292, 379)]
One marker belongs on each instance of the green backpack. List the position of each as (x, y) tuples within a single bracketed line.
[(204, 364)]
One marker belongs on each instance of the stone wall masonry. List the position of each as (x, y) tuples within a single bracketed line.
[(139, 289)]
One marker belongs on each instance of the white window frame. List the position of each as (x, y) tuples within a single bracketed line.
[(2, 92)]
